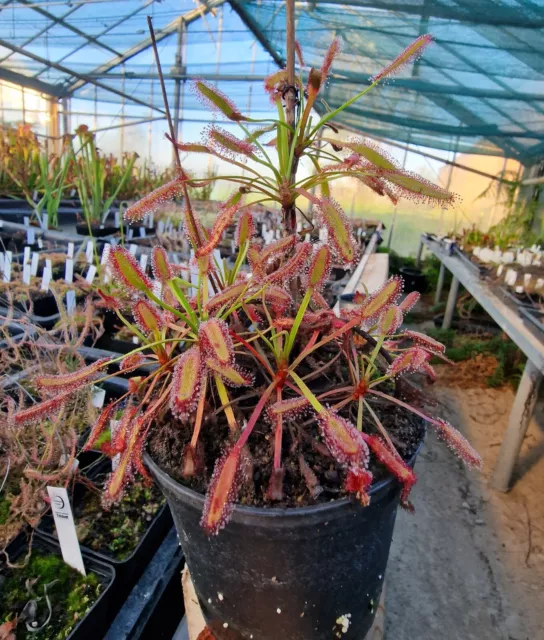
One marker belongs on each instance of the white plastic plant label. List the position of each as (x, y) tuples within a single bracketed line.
[(1, 261), (70, 302), (90, 274), (150, 220), (34, 264), (143, 260), (132, 249), (66, 530), (130, 234), (70, 250), (26, 273), (46, 279), (142, 232), (105, 254), (69, 270), (117, 219), (7, 267), (160, 226), (31, 235), (40, 243), (26, 221), (26, 255), (89, 252), (99, 395), (135, 340)]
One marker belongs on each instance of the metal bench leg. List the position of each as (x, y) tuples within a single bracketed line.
[(452, 301), (520, 416), (419, 255), (440, 283)]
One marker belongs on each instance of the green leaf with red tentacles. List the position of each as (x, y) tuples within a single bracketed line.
[(212, 97), (374, 304), (368, 150), (126, 268), (294, 267), (408, 362), (225, 297), (390, 321), (409, 185), (294, 407), (342, 439), (215, 340), (320, 267), (186, 383), (245, 229), (151, 203), (330, 214), (231, 374), (148, 318), (41, 410), (277, 298), (222, 492), (160, 264)]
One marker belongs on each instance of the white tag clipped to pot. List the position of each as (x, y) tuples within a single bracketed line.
[(69, 270), (26, 273), (34, 263), (143, 260), (89, 250), (114, 424), (99, 395), (90, 274), (66, 530), (133, 248), (70, 301)]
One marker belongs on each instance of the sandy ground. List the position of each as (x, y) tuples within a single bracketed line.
[(469, 565)]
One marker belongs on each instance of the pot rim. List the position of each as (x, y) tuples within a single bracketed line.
[(274, 512)]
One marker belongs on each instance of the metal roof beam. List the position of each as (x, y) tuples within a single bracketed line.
[(71, 72), (8, 75), (60, 21), (171, 28), (102, 33)]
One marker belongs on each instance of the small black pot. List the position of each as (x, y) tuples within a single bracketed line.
[(287, 573), (414, 279)]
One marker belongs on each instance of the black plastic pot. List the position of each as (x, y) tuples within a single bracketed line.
[(414, 279), (97, 230), (287, 573), (98, 618)]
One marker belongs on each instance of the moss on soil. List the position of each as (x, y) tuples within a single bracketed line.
[(70, 593)]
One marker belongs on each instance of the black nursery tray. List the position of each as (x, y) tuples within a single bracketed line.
[(129, 570), (97, 620)]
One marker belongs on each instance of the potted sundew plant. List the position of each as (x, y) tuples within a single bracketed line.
[(283, 435)]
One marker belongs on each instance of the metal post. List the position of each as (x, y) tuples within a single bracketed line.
[(177, 92), (419, 254), (394, 219), (440, 283), (53, 132), (452, 301), (23, 104), (122, 127), (520, 416), (66, 116)]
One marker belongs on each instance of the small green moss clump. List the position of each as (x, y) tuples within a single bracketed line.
[(71, 595), (5, 505)]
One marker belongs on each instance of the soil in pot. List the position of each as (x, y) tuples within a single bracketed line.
[(71, 595)]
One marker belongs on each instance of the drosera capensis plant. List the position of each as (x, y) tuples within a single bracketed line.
[(250, 351)]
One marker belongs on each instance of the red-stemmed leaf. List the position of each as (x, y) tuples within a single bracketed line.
[(186, 383), (222, 492)]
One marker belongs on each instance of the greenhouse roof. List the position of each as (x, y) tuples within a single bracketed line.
[(479, 88)]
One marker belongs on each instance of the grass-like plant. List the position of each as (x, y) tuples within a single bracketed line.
[(259, 349)]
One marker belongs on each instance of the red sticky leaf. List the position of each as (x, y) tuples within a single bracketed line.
[(428, 343), (408, 362), (393, 463), (245, 230), (358, 481), (215, 340), (131, 361), (108, 302), (222, 491), (292, 408), (186, 383), (228, 144), (457, 443), (330, 214), (68, 382), (233, 375), (409, 301), (390, 320), (319, 268), (217, 100), (225, 297), (150, 203), (224, 218), (343, 440), (99, 426), (41, 410), (411, 53), (374, 304), (295, 266), (278, 299)]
